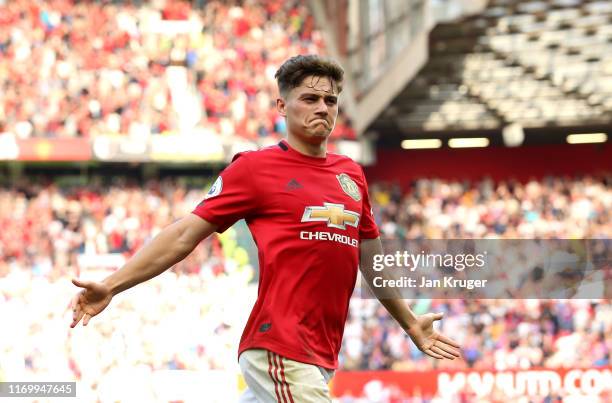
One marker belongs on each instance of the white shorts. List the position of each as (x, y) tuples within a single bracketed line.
[(274, 379)]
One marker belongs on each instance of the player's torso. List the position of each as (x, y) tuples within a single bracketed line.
[(307, 231), (312, 206)]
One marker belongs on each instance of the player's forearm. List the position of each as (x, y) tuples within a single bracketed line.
[(164, 251), (392, 299), (400, 311)]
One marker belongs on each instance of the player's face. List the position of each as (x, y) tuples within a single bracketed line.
[(311, 109)]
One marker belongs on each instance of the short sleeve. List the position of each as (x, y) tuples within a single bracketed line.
[(368, 228), (232, 196)]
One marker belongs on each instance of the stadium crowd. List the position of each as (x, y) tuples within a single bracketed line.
[(551, 208), (49, 233), (495, 334), (84, 69)]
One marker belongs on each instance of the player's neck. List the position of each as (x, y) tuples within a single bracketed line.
[(308, 149)]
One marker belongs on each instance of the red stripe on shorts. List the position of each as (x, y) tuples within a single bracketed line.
[(278, 399), (284, 380), (276, 360)]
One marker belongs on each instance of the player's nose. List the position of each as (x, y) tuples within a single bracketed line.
[(321, 108)]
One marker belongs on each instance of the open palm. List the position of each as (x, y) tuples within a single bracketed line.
[(430, 341), (90, 301)]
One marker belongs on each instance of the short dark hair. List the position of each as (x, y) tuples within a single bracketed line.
[(293, 71)]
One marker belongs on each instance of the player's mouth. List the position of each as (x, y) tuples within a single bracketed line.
[(323, 121)]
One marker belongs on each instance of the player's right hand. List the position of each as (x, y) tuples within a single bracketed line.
[(90, 301)]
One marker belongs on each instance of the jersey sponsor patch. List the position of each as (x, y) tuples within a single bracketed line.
[(349, 186), (215, 189), (333, 214)]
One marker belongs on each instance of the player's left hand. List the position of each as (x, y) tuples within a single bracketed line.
[(431, 342)]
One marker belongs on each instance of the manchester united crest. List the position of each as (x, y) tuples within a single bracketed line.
[(349, 186)]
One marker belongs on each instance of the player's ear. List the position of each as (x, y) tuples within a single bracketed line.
[(281, 107)]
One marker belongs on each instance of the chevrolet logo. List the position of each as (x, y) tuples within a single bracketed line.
[(333, 214)]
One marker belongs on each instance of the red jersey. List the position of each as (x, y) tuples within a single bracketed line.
[(307, 216)]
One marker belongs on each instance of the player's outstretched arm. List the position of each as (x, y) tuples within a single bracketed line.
[(419, 327), (169, 247)]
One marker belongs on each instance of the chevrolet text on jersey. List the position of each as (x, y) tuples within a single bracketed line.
[(329, 236)]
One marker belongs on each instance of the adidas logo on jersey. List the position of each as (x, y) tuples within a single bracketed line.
[(293, 185)]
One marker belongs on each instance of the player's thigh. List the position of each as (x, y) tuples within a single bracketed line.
[(254, 366), (304, 382), (272, 378)]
